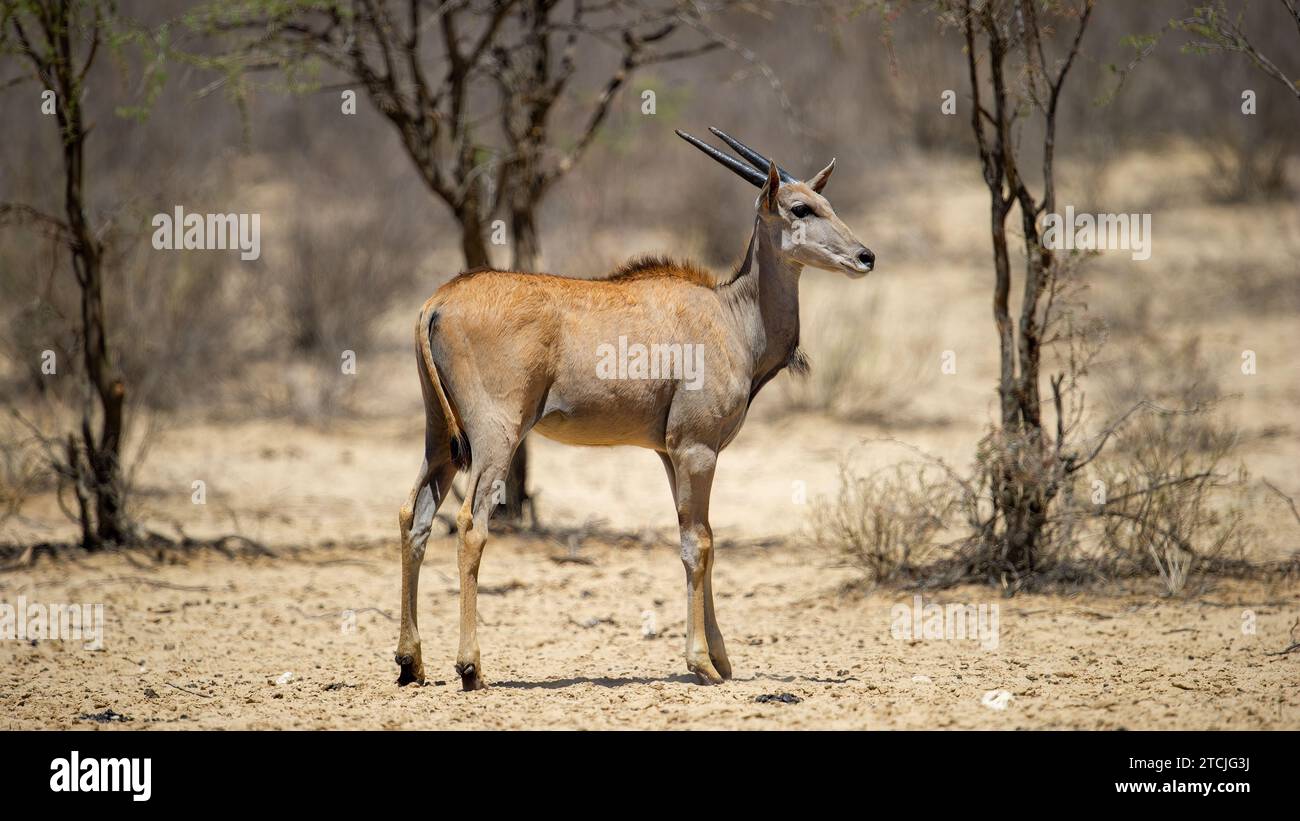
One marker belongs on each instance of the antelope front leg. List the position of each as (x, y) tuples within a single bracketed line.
[(717, 647), (693, 467)]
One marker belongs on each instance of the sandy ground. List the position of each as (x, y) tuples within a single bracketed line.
[(202, 643)]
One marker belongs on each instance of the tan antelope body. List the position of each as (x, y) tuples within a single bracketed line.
[(504, 353)]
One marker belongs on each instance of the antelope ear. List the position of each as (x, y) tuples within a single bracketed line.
[(773, 183), (818, 182)]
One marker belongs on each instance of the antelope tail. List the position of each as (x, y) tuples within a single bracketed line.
[(457, 440)]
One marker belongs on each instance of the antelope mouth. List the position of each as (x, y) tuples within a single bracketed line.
[(855, 268)]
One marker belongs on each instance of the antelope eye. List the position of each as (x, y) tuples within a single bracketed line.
[(800, 210)]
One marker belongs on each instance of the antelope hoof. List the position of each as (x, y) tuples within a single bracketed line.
[(705, 673), (411, 669), (723, 666), (471, 678)]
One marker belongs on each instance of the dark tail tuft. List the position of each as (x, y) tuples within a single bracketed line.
[(461, 456)]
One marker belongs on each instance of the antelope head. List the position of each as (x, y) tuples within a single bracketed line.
[(811, 233)]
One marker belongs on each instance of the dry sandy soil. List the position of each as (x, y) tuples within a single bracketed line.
[(201, 644)]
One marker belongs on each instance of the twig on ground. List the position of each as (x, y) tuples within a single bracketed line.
[(183, 690)]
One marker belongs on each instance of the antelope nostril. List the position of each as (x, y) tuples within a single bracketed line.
[(867, 258)]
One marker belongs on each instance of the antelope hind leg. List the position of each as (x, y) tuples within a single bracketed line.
[(483, 494), (717, 647)]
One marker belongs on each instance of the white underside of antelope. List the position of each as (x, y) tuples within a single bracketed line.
[(504, 353)]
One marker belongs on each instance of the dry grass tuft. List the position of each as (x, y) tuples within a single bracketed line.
[(886, 523)]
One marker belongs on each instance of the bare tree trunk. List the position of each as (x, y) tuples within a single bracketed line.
[(472, 243), (525, 252), (102, 450), (525, 246), (105, 454), (1024, 475)]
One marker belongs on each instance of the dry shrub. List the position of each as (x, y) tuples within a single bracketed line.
[(887, 523), (1168, 504), (22, 472), (1170, 497), (1155, 507), (1163, 497)]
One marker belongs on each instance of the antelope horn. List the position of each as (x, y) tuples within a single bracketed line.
[(755, 159), (751, 175)]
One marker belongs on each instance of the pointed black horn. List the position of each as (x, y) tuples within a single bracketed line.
[(755, 159), (751, 175)]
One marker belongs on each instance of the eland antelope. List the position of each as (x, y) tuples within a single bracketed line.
[(502, 353)]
